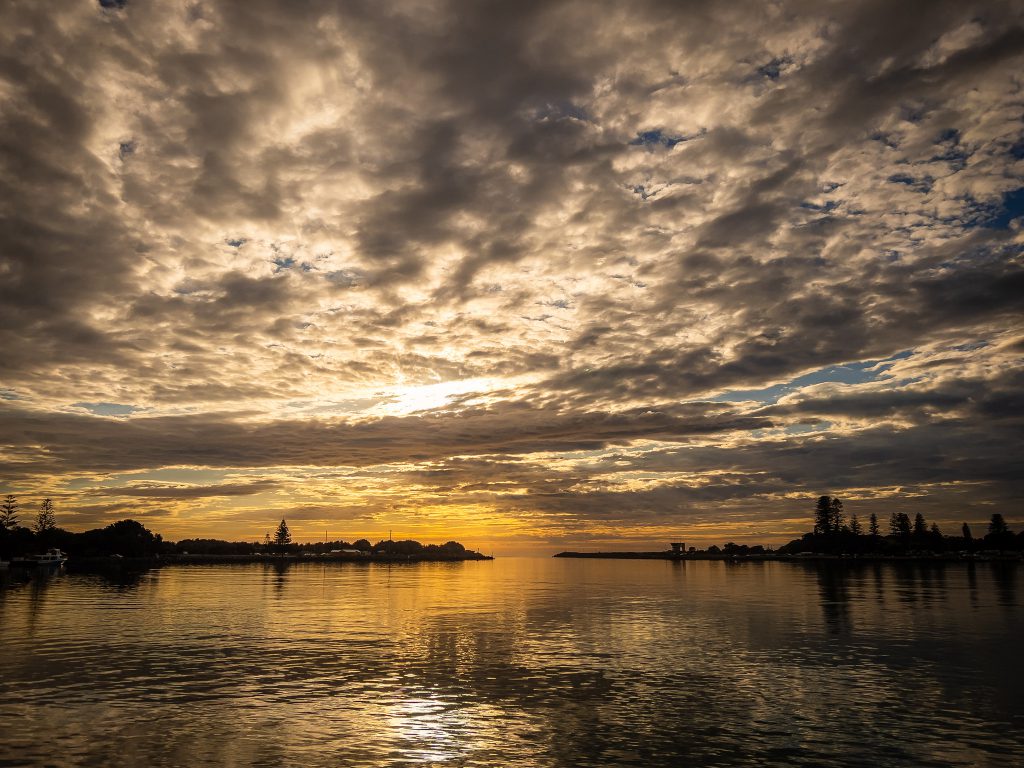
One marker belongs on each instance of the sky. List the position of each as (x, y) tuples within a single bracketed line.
[(530, 275)]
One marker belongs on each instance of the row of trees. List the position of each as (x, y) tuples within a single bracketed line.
[(834, 532), (127, 538), (131, 539), (46, 519)]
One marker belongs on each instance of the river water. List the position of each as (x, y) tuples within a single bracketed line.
[(533, 662)]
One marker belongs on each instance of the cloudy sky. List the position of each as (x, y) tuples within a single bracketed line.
[(526, 274)]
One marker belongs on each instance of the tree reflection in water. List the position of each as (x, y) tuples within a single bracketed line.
[(540, 662)]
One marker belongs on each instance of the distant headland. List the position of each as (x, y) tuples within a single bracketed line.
[(128, 543), (836, 536)]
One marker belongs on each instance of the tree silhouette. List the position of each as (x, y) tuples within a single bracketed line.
[(45, 520), (823, 515), (999, 535), (920, 528), (9, 513), (899, 525), (283, 537), (835, 515), (965, 530), (854, 525), (873, 525)]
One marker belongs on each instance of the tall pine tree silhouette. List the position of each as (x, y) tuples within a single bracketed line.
[(9, 513), (45, 520)]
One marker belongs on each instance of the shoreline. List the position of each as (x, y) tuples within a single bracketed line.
[(1010, 557), (140, 563)]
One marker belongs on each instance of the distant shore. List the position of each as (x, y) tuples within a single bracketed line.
[(947, 557), (138, 563)]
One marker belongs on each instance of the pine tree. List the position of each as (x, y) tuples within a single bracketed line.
[(965, 531), (836, 519), (920, 528), (854, 525), (999, 535), (9, 513), (823, 515), (45, 520), (873, 525), (894, 524), (282, 537)]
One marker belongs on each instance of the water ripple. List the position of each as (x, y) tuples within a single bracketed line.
[(531, 662)]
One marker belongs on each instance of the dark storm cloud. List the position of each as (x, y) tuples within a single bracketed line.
[(590, 212), (96, 444), (950, 469), (980, 399)]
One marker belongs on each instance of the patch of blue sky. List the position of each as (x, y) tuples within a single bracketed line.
[(1012, 208), (773, 69), (10, 394), (990, 215), (236, 242), (804, 428), (953, 152), (971, 346), (657, 137), (282, 263), (827, 207), (923, 184), (108, 409), (852, 373)]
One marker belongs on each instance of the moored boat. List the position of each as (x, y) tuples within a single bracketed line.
[(52, 557)]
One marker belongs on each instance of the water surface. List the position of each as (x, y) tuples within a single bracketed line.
[(518, 661)]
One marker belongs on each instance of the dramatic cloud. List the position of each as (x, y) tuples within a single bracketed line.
[(524, 272)]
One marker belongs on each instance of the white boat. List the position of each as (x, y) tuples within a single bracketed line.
[(53, 557)]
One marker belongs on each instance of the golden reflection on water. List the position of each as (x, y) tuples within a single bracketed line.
[(531, 661)]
